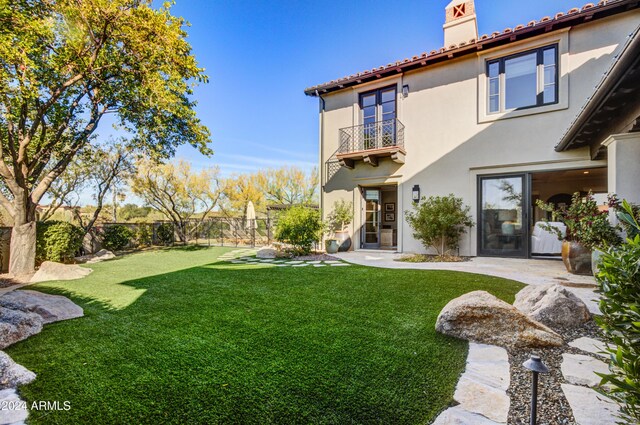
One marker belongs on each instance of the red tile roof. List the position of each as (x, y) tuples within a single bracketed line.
[(575, 16)]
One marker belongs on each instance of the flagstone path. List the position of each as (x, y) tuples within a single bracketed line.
[(247, 256)]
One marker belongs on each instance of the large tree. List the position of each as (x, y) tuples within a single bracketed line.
[(281, 186), (64, 65), (179, 193)]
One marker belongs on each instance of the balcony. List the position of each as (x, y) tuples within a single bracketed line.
[(370, 142)]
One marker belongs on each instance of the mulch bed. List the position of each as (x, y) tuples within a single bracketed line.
[(553, 408)]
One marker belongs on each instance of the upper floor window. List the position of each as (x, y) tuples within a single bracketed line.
[(523, 80)]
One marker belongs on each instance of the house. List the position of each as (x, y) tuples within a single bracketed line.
[(538, 111)]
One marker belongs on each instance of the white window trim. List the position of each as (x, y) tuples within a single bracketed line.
[(561, 38)]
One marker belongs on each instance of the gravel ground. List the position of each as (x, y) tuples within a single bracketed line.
[(553, 408)]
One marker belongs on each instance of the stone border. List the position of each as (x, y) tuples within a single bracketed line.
[(482, 389)]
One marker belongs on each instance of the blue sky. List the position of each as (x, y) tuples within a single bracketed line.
[(260, 55)]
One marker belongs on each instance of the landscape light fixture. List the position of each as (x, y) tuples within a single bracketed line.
[(536, 366)]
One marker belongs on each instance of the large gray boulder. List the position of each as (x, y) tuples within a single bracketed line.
[(13, 374), (267, 252), (552, 305), (51, 308), (16, 325), (480, 317), (50, 270)]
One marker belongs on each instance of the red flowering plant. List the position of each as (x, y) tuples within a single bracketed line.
[(586, 223)]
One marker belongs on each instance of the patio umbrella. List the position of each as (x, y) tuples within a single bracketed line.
[(250, 216)]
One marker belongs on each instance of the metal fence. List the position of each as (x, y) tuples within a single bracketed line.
[(216, 231)]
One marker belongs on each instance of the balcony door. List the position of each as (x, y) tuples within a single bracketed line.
[(378, 116), (371, 218), (503, 227)]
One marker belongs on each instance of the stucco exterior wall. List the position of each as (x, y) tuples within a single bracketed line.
[(449, 138)]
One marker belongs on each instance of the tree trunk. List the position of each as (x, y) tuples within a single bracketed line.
[(22, 257)]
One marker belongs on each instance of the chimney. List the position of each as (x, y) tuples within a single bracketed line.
[(461, 23)]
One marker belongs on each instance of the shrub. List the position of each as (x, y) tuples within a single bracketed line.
[(143, 234), (439, 221), (628, 214), (299, 226), (116, 237), (341, 216), (585, 222), (57, 241), (164, 233), (619, 286)]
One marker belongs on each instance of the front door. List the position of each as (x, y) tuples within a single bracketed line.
[(371, 219), (503, 228)]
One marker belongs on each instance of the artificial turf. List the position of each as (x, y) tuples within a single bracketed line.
[(177, 336)]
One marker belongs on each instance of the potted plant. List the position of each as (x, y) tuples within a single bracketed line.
[(588, 229), (339, 220)]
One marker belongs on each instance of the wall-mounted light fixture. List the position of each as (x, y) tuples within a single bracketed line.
[(415, 194), (405, 90)]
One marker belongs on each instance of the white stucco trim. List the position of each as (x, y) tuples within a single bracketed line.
[(561, 38)]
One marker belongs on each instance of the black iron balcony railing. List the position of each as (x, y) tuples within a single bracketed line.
[(377, 135)]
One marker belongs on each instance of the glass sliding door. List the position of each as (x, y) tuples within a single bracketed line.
[(372, 210), (502, 222)]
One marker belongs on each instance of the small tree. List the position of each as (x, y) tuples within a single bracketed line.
[(439, 221), (340, 216), (299, 226), (176, 191)]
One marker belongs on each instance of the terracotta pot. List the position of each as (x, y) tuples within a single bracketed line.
[(331, 246), (343, 240), (576, 258)]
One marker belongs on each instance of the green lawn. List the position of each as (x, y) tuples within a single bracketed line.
[(175, 336)]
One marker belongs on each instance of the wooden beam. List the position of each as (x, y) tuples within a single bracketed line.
[(398, 158), (371, 160), (346, 163)]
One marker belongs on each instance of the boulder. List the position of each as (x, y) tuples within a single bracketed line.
[(267, 252), (480, 317), (13, 374), (50, 270), (16, 325), (51, 308), (101, 255), (552, 305)]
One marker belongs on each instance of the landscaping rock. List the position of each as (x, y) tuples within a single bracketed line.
[(267, 252), (16, 325), (552, 305), (51, 308), (589, 407), (590, 345), (459, 416), (101, 255), (479, 316), (13, 374), (581, 370), (16, 412), (50, 270)]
